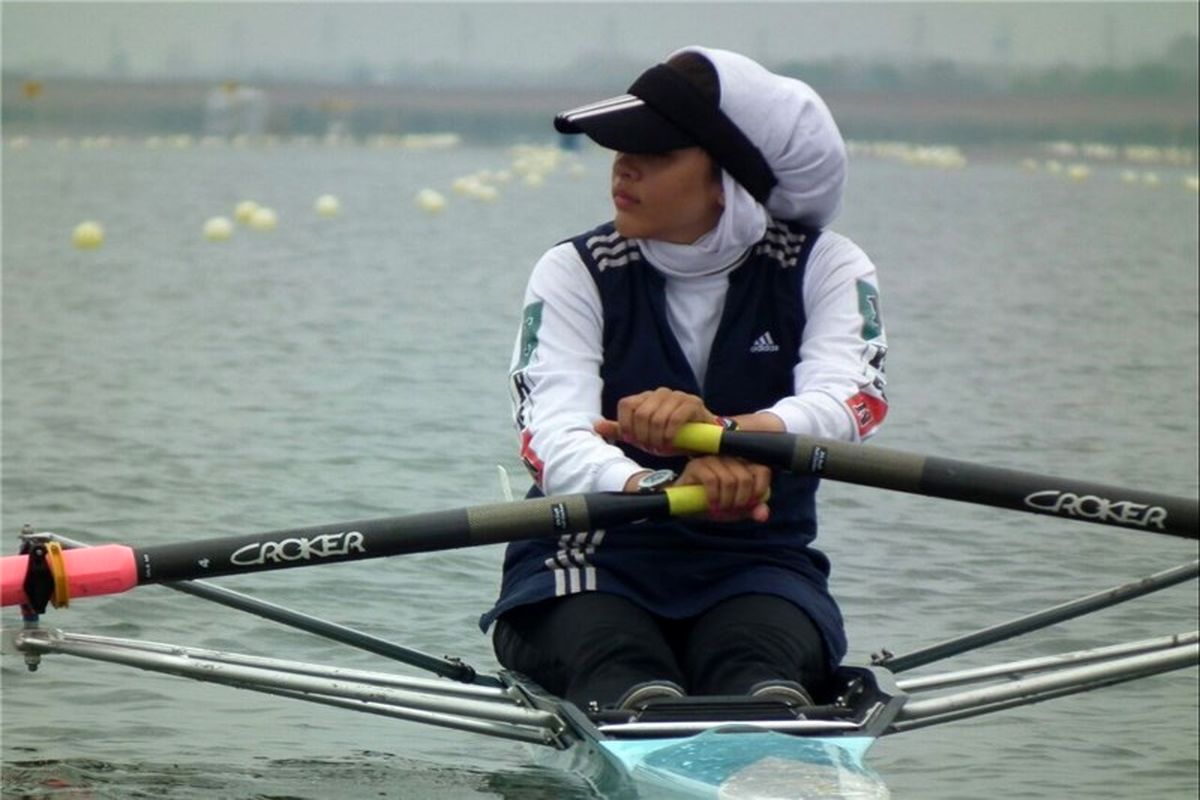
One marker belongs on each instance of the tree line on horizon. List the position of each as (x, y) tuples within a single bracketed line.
[(1173, 73)]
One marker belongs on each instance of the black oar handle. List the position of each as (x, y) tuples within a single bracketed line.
[(954, 480)]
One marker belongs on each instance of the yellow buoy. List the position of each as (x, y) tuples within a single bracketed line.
[(485, 193), (431, 201), (1078, 172), (244, 211), (218, 229), (263, 219), (327, 205), (88, 235)]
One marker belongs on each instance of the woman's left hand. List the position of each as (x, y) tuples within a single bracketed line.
[(736, 488), (650, 420)]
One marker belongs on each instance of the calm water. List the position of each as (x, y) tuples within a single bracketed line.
[(164, 388)]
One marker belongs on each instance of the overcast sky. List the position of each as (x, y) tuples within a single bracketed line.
[(156, 38)]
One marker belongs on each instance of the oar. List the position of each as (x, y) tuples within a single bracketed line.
[(111, 569), (954, 480), (1039, 619)]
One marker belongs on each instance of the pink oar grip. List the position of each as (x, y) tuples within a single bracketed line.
[(107, 569)]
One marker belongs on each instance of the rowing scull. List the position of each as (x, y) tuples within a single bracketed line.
[(692, 747)]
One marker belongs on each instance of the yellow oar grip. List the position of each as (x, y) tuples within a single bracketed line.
[(686, 499), (696, 437), (699, 437), (693, 499)]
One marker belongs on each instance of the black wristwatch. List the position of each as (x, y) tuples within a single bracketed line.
[(656, 481)]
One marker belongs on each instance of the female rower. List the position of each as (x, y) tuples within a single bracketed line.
[(714, 295)]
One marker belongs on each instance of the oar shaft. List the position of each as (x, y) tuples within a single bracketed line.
[(953, 480), (419, 533), (115, 568), (1042, 619)]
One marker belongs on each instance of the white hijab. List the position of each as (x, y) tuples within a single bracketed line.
[(792, 127)]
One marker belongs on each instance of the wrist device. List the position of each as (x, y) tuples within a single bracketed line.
[(656, 481)]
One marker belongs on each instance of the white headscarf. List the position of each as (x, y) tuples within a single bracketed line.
[(793, 128)]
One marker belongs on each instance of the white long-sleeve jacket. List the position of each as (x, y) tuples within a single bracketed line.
[(555, 372)]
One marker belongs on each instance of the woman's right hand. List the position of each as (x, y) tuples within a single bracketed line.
[(650, 420)]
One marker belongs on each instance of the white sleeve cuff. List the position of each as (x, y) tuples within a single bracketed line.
[(613, 475)]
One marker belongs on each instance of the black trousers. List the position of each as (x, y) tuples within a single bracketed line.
[(592, 647)]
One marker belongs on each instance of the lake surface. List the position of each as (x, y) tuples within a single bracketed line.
[(165, 388)]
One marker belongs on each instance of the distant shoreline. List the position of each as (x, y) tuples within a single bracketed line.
[(85, 107)]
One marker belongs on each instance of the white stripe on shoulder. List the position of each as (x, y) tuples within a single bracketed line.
[(600, 250), (782, 245), (608, 262), (607, 238), (611, 250)]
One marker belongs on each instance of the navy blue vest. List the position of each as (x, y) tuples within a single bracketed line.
[(680, 568)]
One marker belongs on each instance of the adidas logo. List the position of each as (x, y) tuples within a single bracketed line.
[(764, 344)]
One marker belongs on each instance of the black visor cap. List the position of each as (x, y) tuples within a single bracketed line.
[(665, 111), (625, 124)]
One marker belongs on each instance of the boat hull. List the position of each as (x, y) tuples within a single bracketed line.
[(670, 751), (736, 763)]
